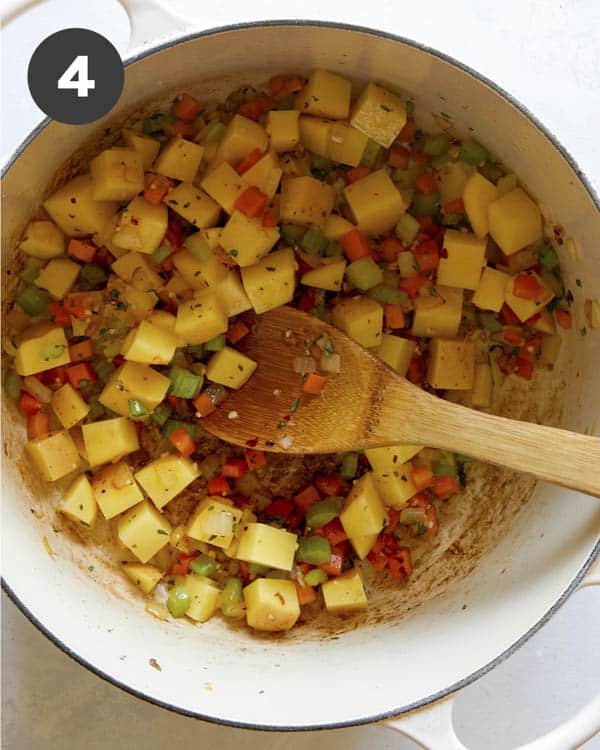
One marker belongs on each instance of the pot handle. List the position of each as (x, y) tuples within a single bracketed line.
[(431, 727)]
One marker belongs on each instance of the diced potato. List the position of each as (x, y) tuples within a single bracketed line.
[(149, 344), (482, 386), (336, 227), (145, 577), (379, 114), (545, 323), (109, 440), (41, 353), (515, 221), (363, 512), (194, 205), (146, 146), (214, 521), (143, 531), (212, 237), (387, 459), (266, 545), (241, 138), (490, 292), (54, 456), (179, 159), (453, 178), (201, 318), (74, 209), (166, 477), (506, 184), (134, 381), (232, 294), (465, 257), (346, 144), (451, 364), (439, 315), (345, 593), (224, 185), (527, 308), (126, 302), (247, 517), (42, 239), (200, 274), (283, 129), (230, 367), (104, 237), (58, 276), (79, 503), (305, 200), (68, 406), (396, 487), (115, 489), (361, 318), (550, 350), (363, 544), (375, 202), (271, 604), (142, 226), (265, 175), (396, 352), (328, 277), (246, 240), (117, 175), (295, 166), (315, 134), (271, 282), (477, 196), (165, 320), (135, 269), (204, 597), (325, 95)]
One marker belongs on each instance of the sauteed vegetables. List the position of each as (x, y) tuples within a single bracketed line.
[(141, 279)]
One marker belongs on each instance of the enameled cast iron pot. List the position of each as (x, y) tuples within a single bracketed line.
[(382, 670)]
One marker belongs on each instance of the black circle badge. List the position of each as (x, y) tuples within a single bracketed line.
[(75, 76)]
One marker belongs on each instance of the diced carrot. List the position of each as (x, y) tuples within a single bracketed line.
[(28, 404), (357, 173), (186, 107), (445, 486), (61, 317), (427, 224), (234, 468), (412, 284), (204, 404), (282, 85), (279, 509), (306, 594), (182, 128), (426, 183), (390, 248), (508, 317), (398, 156), (254, 458), (251, 202), (156, 195), (377, 556), (513, 336), (564, 318), (420, 159), (181, 564), (38, 425), (314, 383), (249, 161), (355, 245), (253, 110), (174, 401), (82, 350), (526, 286), (394, 315), (427, 255), (422, 477), (333, 532), (416, 369), (81, 374), (332, 486), (237, 331), (269, 219), (82, 250), (219, 486), (454, 207), (182, 440), (309, 496), (393, 520), (401, 564), (175, 234), (336, 562), (407, 134)]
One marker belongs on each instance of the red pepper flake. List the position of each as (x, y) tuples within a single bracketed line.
[(252, 443)]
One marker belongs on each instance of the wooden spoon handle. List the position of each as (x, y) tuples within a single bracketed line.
[(566, 458)]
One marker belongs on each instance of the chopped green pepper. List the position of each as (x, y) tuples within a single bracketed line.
[(445, 465), (161, 413), (136, 408), (349, 465), (313, 549), (472, 152), (292, 234), (333, 249), (157, 122), (256, 569), (364, 274), (314, 241), (184, 383), (31, 270), (92, 276), (490, 322), (436, 145), (547, 255)]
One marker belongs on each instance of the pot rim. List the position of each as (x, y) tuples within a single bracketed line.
[(441, 694)]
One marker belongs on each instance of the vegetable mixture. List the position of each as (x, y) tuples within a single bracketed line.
[(144, 275)]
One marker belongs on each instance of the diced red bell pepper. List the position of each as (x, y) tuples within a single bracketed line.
[(83, 250), (445, 486), (389, 249), (253, 110), (234, 468), (355, 245), (398, 156), (422, 477), (407, 134), (401, 564), (412, 284), (336, 562), (182, 440), (175, 234), (283, 85), (333, 532), (357, 173), (237, 331), (61, 317), (181, 564), (56, 376), (332, 486), (417, 369), (306, 594), (524, 369), (309, 496), (508, 317), (426, 183), (427, 255), (394, 315), (279, 509), (28, 404), (182, 128), (174, 401), (269, 219), (454, 207), (255, 458), (526, 286), (186, 107), (307, 300), (377, 555), (219, 486), (393, 520)]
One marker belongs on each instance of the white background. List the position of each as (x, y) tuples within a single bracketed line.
[(544, 52)]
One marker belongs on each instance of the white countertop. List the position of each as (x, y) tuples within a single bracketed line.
[(544, 52)]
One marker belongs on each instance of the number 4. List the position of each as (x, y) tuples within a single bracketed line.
[(76, 77)]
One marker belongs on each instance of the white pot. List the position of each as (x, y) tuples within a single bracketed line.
[(373, 673)]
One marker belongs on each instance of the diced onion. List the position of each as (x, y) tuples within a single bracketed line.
[(37, 389), (303, 365), (219, 523), (331, 363), (413, 515), (216, 393)]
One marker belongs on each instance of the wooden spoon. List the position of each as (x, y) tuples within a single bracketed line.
[(367, 405)]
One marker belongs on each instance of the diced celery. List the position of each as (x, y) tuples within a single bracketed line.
[(445, 465), (389, 294), (195, 350), (215, 132), (197, 246), (215, 344), (12, 384), (490, 322), (31, 270), (103, 368), (161, 413), (315, 577), (323, 512), (349, 465), (404, 179), (491, 171), (232, 599), (92, 276), (371, 154), (407, 228), (160, 254), (437, 162), (314, 241), (204, 565), (364, 274), (333, 249), (472, 152), (425, 205), (185, 384), (315, 550), (547, 255), (292, 234), (33, 301), (436, 145), (178, 601)]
